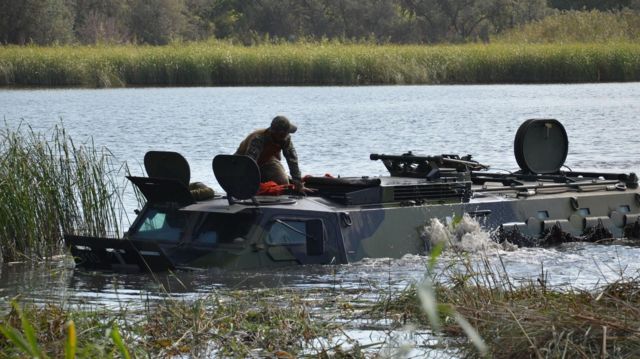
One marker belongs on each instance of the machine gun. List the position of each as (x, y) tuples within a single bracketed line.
[(430, 167)]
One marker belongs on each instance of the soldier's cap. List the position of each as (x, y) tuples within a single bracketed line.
[(282, 124)]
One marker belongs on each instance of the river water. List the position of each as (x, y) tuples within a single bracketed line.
[(338, 128)]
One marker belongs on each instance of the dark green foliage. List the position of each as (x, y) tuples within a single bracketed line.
[(159, 22), (100, 21), (36, 21)]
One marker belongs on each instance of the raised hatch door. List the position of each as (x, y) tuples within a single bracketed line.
[(160, 191), (541, 146)]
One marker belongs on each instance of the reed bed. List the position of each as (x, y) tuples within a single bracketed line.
[(530, 319), (578, 27), (269, 323), (223, 64), (51, 186), (481, 313)]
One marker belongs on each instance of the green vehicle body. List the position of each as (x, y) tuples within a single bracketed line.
[(349, 219)]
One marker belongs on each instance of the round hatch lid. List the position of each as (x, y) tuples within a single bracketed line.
[(166, 164), (239, 176), (541, 146)]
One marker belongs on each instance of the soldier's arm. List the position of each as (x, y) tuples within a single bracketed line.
[(290, 154)]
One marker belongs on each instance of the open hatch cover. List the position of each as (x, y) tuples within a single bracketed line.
[(166, 164), (238, 175), (541, 146), (163, 190)]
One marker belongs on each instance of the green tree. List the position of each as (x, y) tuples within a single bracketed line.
[(465, 20), (39, 21), (102, 21), (506, 14), (277, 18), (213, 18), (157, 22), (382, 20)]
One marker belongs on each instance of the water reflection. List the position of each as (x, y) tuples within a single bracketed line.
[(578, 265), (574, 265), (339, 128), (201, 122)]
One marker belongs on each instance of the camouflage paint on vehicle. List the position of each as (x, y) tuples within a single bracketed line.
[(349, 219)]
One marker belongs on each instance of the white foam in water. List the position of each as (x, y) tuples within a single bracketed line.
[(579, 265), (466, 235)]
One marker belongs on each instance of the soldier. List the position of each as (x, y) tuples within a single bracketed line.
[(265, 145)]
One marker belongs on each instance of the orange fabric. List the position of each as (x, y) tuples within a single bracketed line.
[(271, 188)]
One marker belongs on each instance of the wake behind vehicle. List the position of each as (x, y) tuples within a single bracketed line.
[(351, 218)]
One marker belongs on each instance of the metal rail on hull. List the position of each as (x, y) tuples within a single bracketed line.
[(351, 218)]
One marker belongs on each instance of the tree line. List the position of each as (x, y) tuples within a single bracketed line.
[(158, 22)]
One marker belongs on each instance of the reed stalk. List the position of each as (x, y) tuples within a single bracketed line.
[(262, 323), (530, 319), (223, 64), (51, 186), (483, 313)]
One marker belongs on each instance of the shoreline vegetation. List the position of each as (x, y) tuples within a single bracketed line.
[(473, 311), (50, 186), (223, 64), (565, 46)]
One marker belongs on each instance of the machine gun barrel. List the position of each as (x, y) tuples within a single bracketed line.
[(405, 158), (416, 159)]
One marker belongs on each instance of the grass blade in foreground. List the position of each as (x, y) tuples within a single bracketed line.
[(117, 340), (72, 341)]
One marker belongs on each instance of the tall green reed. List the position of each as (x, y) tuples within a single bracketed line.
[(223, 64), (51, 186)]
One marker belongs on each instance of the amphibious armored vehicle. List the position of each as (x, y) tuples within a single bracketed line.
[(351, 218)]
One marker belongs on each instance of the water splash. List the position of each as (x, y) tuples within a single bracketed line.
[(462, 233)]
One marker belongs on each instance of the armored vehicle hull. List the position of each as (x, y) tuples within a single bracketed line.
[(348, 219)]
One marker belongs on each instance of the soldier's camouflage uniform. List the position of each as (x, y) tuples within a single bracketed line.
[(260, 146)]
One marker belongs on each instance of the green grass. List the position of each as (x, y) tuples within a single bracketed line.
[(51, 186), (222, 64)]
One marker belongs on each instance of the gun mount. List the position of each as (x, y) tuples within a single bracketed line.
[(429, 167)]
